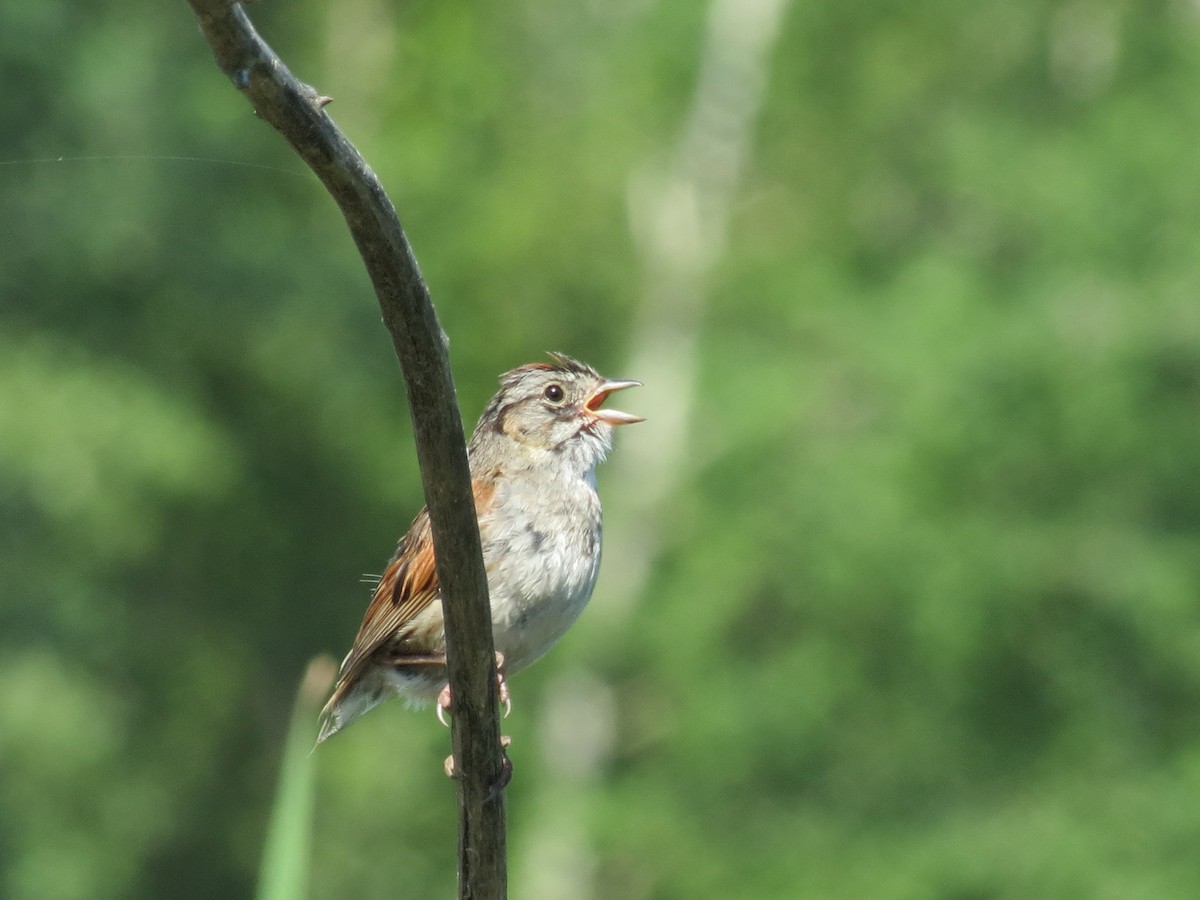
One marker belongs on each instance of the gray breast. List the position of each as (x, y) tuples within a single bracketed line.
[(543, 557)]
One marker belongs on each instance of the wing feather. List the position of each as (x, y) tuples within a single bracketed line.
[(408, 586)]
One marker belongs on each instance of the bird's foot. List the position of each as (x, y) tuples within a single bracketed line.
[(502, 685), (445, 700), (506, 769)]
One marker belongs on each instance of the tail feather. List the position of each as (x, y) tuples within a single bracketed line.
[(349, 701)]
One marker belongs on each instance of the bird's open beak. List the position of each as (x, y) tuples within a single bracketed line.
[(611, 416)]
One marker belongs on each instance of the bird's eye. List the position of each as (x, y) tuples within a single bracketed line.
[(554, 393)]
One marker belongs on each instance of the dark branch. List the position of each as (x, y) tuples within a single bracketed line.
[(297, 112)]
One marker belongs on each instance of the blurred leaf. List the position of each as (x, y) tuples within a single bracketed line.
[(284, 873)]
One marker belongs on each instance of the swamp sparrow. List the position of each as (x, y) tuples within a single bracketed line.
[(533, 467)]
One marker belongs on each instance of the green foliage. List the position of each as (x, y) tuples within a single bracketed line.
[(287, 854), (923, 622)]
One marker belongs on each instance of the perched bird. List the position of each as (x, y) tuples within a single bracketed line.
[(533, 463)]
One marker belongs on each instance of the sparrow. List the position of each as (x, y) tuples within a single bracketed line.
[(533, 458)]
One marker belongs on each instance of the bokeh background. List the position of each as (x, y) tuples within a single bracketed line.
[(901, 595)]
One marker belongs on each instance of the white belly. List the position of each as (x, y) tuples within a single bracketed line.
[(541, 569)]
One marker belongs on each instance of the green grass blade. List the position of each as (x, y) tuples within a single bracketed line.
[(284, 872)]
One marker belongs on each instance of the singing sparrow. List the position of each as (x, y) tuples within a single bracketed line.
[(533, 463)]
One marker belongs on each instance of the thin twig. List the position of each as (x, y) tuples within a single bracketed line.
[(297, 112)]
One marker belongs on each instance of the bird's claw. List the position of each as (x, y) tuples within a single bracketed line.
[(502, 685), (506, 769), (445, 701), (443, 705)]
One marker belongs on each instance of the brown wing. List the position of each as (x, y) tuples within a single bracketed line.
[(407, 587), (409, 584)]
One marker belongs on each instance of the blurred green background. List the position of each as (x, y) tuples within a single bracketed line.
[(901, 593)]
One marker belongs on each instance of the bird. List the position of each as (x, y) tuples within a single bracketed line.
[(533, 457)]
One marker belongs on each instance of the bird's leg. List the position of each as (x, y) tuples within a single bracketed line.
[(502, 684), (444, 703), (506, 769), (445, 700)]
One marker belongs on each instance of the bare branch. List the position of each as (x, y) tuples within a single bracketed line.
[(297, 112)]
